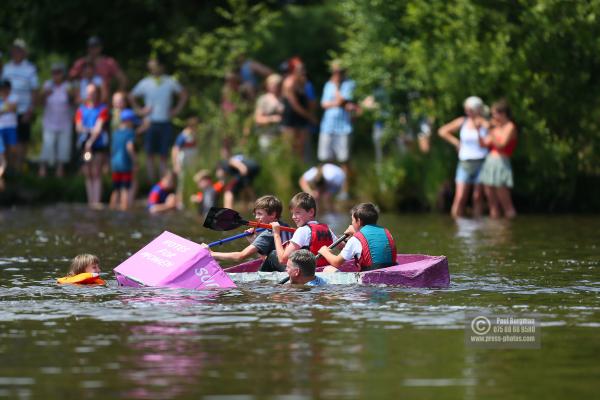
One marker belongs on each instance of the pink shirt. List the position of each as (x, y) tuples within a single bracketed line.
[(104, 66)]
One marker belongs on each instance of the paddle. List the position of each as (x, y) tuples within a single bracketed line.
[(226, 219), (331, 246), (235, 237)]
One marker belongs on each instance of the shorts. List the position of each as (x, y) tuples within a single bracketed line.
[(9, 136), (122, 180), (333, 147), (497, 172), (159, 138), (56, 146), (99, 145), (467, 171), (2, 149), (23, 130)]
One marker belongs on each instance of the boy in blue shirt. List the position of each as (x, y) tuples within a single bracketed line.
[(122, 159)]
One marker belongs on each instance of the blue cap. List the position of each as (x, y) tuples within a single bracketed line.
[(128, 115)]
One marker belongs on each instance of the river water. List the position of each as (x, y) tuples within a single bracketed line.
[(261, 341)]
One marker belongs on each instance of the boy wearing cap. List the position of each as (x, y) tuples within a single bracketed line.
[(122, 160), (24, 80)]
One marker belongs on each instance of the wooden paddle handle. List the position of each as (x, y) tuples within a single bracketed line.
[(268, 226)]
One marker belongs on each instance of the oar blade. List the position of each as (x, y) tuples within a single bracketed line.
[(223, 219)]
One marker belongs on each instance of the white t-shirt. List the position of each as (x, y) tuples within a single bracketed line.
[(469, 143), (333, 175), (302, 235), (8, 119), (23, 79), (158, 94), (352, 249)]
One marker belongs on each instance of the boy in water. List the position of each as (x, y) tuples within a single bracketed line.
[(267, 209), (371, 246), (122, 160), (310, 234)]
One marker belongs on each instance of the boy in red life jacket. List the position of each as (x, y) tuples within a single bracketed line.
[(310, 234), (371, 245)]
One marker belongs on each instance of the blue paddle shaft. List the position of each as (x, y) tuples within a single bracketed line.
[(235, 237)]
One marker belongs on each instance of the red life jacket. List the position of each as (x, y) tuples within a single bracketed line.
[(378, 248), (320, 236)]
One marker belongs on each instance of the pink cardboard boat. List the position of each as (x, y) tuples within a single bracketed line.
[(172, 261), (411, 270)]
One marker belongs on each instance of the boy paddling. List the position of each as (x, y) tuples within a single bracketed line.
[(267, 209), (371, 246), (310, 234)]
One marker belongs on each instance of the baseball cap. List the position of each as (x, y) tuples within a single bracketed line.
[(128, 115), (94, 41), (20, 43)]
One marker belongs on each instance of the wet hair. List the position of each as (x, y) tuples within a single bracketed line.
[(305, 261), (501, 106), (305, 201), (81, 262), (270, 204), (365, 212)]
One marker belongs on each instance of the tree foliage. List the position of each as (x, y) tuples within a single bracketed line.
[(541, 55)]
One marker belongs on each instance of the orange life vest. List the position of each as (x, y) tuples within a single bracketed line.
[(86, 278)]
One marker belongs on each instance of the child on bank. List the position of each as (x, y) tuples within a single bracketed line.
[(371, 246), (162, 196), (183, 154), (84, 270), (207, 191), (122, 160), (310, 234), (8, 123), (267, 209)]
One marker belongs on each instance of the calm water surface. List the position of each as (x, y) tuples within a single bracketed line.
[(260, 341)]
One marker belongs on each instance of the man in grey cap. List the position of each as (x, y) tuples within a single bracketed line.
[(24, 81), (106, 67)]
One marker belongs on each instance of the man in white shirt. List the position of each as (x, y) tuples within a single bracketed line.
[(158, 91), (24, 82), (323, 183)]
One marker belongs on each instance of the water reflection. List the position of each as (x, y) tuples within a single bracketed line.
[(165, 360)]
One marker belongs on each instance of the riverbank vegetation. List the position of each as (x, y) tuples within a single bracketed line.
[(542, 56)]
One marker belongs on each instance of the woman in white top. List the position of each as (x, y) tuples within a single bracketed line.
[(471, 154)]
